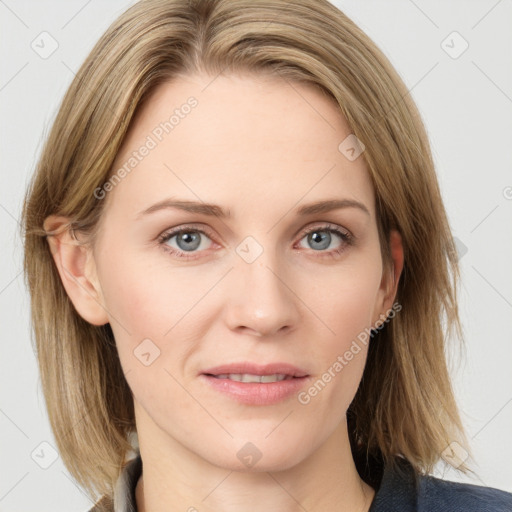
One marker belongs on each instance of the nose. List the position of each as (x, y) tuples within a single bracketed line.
[(261, 300)]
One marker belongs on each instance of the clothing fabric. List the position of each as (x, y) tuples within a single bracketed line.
[(400, 490)]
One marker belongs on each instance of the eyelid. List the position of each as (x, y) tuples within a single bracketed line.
[(326, 226), (186, 227)]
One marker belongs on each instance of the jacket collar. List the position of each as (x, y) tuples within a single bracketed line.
[(124, 490), (398, 489)]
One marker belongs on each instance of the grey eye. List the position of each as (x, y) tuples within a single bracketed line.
[(185, 240), (320, 239)]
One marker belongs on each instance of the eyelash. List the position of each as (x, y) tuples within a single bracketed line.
[(347, 240)]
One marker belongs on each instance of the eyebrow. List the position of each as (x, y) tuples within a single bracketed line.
[(217, 211)]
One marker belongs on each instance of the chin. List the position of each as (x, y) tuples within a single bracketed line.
[(257, 457)]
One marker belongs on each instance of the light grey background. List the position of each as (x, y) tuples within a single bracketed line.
[(466, 103)]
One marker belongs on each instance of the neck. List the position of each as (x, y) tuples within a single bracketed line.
[(175, 479)]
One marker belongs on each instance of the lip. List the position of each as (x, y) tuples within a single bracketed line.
[(257, 393)]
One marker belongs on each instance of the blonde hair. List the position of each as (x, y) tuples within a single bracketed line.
[(405, 403)]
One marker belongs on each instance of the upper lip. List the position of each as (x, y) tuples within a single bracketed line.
[(257, 369)]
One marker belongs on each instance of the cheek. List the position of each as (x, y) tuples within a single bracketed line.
[(148, 310), (345, 303), (147, 299), (346, 299), (157, 314), (139, 313)]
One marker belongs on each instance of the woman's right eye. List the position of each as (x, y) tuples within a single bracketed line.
[(187, 240)]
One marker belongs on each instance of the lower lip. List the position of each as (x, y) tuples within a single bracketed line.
[(257, 393)]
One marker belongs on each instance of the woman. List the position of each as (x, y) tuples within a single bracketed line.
[(294, 352)]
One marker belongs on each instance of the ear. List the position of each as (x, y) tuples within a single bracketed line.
[(390, 277), (77, 270)]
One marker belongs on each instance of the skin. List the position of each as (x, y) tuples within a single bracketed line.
[(260, 147)]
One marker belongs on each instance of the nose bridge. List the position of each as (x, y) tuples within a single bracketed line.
[(262, 301)]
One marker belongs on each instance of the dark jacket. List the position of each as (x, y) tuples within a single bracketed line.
[(399, 490)]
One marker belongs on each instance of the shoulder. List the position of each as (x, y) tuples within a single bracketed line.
[(457, 496), (402, 489)]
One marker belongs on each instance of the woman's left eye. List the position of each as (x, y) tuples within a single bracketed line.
[(320, 238), (189, 240)]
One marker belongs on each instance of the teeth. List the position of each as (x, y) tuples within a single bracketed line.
[(272, 378), (247, 377)]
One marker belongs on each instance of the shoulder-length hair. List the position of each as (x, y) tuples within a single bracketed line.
[(405, 403)]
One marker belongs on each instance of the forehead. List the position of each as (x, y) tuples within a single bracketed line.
[(238, 140)]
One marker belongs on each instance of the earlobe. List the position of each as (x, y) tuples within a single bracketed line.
[(77, 270)]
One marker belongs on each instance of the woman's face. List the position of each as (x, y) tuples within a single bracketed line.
[(248, 285)]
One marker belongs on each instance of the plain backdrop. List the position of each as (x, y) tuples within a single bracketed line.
[(456, 59)]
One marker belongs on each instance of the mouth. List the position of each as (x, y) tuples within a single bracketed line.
[(254, 384)]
